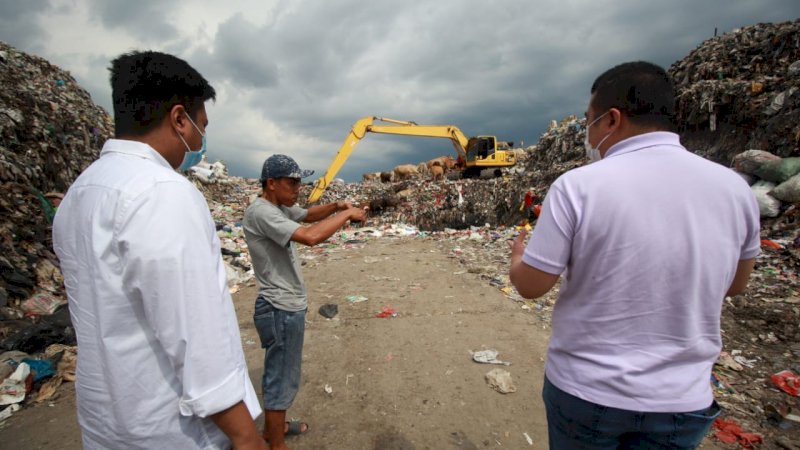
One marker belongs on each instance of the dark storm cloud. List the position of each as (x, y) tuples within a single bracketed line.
[(18, 23), (295, 75), (504, 68), (242, 53), (150, 21)]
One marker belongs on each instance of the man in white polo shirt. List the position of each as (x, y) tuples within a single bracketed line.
[(650, 238), (160, 364)]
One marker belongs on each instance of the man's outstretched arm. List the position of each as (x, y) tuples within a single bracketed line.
[(529, 281)]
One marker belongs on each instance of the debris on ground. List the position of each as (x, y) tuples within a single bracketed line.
[(500, 380), (488, 357)]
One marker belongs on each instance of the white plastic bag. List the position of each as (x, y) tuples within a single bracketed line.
[(768, 205)]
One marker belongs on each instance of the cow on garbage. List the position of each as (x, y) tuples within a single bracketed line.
[(446, 162), (437, 173), (405, 172), (371, 176)]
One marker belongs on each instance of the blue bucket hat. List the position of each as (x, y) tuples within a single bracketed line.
[(282, 166)]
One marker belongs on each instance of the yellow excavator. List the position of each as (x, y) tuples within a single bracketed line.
[(475, 154)]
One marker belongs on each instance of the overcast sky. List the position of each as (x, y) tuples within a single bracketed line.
[(292, 76)]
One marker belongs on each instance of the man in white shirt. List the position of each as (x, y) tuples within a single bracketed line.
[(160, 361), (651, 237)]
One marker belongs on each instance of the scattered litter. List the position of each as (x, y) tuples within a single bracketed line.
[(528, 438), (726, 360), (721, 385), (49, 389), (328, 389), (488, 357), (6, 413), (787, 381), (42, 304), (730, 432), (782, 416), (329, 310), (13, 388), (356, 298), (386, 311), (40, 368)]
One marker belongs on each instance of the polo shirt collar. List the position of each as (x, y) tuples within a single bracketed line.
[(134, 148), (643, 141)]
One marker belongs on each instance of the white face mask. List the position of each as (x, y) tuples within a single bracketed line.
[(593, 153)]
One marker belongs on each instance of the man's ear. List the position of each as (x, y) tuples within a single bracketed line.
[(616, 116), (177, 116)]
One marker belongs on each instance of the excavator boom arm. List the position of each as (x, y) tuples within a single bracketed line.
[(365, 124), (357, 133)]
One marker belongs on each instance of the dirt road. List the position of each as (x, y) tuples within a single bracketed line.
[(397, 383)]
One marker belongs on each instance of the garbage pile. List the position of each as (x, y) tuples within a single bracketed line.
[(433, 205), (228, 198), (741, 90), (50, 130)]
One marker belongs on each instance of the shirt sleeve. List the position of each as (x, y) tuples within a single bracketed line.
[(296, 213), (171, 263), (271, 222), (751, 246), (550, 244)]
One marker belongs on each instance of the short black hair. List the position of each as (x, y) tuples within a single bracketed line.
[(146, 85), (643, 91)]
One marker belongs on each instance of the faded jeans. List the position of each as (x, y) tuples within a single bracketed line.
[(281, 334)]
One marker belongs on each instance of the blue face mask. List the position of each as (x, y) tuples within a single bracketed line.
[(192, 157)]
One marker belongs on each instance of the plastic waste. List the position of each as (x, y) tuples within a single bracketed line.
[(751, 160), (787, 381), (730, 432), (205, 176), (9, 362), (42, 304), (6, 413), (768, 205), (13, 388), (386, 311), (488, 357), (782, 416), (778, 170), (356, 298), (788, 191), (40, 368)]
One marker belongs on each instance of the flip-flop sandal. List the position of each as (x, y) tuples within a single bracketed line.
[(295, 428)]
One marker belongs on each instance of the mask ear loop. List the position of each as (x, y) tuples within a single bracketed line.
[(184, 141), (195, 126)]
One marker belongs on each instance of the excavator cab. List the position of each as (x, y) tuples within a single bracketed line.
[(480, 147)]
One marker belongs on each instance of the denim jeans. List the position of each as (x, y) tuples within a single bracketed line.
[(573, 423), (281, 334)]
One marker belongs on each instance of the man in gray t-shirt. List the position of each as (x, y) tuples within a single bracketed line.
[(271, 227)]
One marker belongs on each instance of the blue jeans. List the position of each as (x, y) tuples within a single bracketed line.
[(281, 334), (573, 423)]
